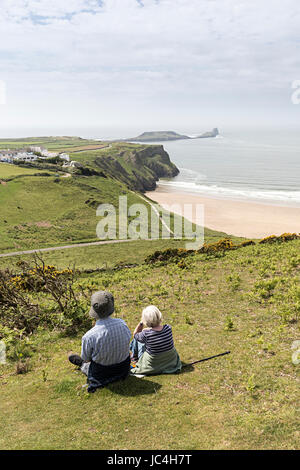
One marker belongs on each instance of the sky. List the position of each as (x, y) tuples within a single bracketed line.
[(148, 64)]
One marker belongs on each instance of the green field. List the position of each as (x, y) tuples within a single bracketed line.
[(40, 207), (8, 171), (107, 255), (59, 143), (37, 212), (245, 301)]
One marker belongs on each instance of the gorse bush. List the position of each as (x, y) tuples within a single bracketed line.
[(285, 237), (41, 295), (169, 254), (176, 254), (214, 249), (36, 278), (221, 245), (17, 309)]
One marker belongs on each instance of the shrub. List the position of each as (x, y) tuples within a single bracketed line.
[(229, 325), (234, 280), (285, 237), (265, 288), (214, 249), (64, 310), (247, 243), (75, 318), (169, 254), (18, 345), (38, 277), (16, 308), (222, 245)]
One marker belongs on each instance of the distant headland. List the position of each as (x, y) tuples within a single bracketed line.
[(159, 136)]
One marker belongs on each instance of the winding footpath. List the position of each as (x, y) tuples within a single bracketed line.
[(65, 247), (101, 242)]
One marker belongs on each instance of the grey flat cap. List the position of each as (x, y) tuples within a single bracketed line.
[(102, 304)]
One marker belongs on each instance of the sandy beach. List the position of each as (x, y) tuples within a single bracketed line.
[(245, 219)]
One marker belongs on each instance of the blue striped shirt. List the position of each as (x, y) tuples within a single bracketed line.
[(107, 343), (156, 341)]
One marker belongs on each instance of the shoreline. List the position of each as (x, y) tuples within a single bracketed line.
[(240, 218)]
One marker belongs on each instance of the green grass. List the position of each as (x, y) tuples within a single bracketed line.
[(108, 255), (246, 301), (100, 256), (44, 211), (49, 210), (8, 171), (59, 143), (246, 400), (38, 212)]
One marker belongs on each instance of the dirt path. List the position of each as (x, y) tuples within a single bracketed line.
[(65, 247), (80, 245), (91, 149)]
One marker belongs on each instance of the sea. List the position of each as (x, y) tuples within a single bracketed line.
[(259, 165)]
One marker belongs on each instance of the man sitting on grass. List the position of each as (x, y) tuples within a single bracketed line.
[(105, 348)]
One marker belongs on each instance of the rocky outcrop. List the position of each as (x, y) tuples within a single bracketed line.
[(159, 136), (155, 158), (212, 133), (139, 168), (156, 136)]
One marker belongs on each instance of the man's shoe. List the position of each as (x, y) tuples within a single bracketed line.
[(76, 360)]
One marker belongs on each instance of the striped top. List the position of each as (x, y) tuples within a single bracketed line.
[(156, 341)]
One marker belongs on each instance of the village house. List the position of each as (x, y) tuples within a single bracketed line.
[(43, 152), (30, 155), (9, 156), (64, 156), (25, 156)]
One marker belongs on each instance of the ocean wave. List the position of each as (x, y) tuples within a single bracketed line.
[(191, 175), (276, 196)]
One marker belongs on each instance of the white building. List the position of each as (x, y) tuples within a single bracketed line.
[(47, 154), (6, 156), (5, 159), (25, 156), (44, 152), (65, 156), (9, 156), (74, 164), (36, 149)]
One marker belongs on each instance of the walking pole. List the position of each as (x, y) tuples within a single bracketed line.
[(206, 359)]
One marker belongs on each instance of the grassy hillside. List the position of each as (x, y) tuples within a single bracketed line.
[(8, 171), (229, 296), (52, 143), (45, 211), (44, 204), (107, 255), (245, 300), (138, 166)]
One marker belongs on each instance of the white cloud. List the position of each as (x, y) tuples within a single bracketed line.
[(118, 53)]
